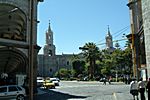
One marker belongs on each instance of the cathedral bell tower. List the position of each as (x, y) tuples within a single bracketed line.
[(109, 42), (49, 48)]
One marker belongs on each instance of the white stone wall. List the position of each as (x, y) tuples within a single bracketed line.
[(146, 24)]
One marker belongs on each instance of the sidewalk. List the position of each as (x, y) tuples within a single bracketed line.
[(127, 96)]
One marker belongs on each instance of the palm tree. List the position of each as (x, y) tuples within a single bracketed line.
[(91, 52)]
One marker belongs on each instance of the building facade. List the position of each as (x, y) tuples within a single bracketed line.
[(139, 37), (15, 32), (146, 25), (49, 63)]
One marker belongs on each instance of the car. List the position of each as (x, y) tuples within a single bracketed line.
[(86, 78), (8, 92), (55, 81), (48, 84), (40, 81)]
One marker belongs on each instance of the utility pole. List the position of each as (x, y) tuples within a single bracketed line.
[(133, 50), (31, 50)]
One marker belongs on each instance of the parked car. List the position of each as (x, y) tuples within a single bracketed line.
[(8, 92), (55, 81), (48, 84)]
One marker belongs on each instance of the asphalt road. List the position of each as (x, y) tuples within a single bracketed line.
[(73, 90), (94, 90)]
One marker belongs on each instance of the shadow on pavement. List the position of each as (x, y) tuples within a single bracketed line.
[(53, 95)]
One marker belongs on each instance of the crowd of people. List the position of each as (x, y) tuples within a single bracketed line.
[(140, 87)]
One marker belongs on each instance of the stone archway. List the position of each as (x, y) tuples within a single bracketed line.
[(12, 61)]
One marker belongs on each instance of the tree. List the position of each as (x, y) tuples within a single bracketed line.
[(78, 67), (91, 53), (128, 60), (119, 61), (106, 63), (64, 73)]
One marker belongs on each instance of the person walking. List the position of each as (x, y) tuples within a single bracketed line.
[(148, 88), (109, 80), (141, 86), (134, 89), (104, 81)]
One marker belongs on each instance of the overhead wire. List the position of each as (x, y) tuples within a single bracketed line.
[(121, 30)]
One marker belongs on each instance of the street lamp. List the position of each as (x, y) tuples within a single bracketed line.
[(8, 12), (13, 10)]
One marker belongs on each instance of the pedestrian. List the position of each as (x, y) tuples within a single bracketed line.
[(125, 80), (141, 86), (26, 85), (148, 88), (104, 81), (134, 89), (109, 80)]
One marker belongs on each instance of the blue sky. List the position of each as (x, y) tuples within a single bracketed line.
[(76, 22)]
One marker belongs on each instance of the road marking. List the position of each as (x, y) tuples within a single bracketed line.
[(114, 94)]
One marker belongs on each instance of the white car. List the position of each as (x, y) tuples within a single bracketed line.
[(8, 92), (55, 81), (40, 81)]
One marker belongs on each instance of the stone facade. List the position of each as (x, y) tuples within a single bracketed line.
[(146, 25), (49, 63), (49, 48), (109, 41), (22, 4), (15, 31), (140, 36), (135, 18)]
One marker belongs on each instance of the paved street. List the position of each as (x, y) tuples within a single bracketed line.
[(73, 90), (95, 90)]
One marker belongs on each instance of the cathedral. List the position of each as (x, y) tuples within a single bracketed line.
[(109, 41), (49, 63)]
